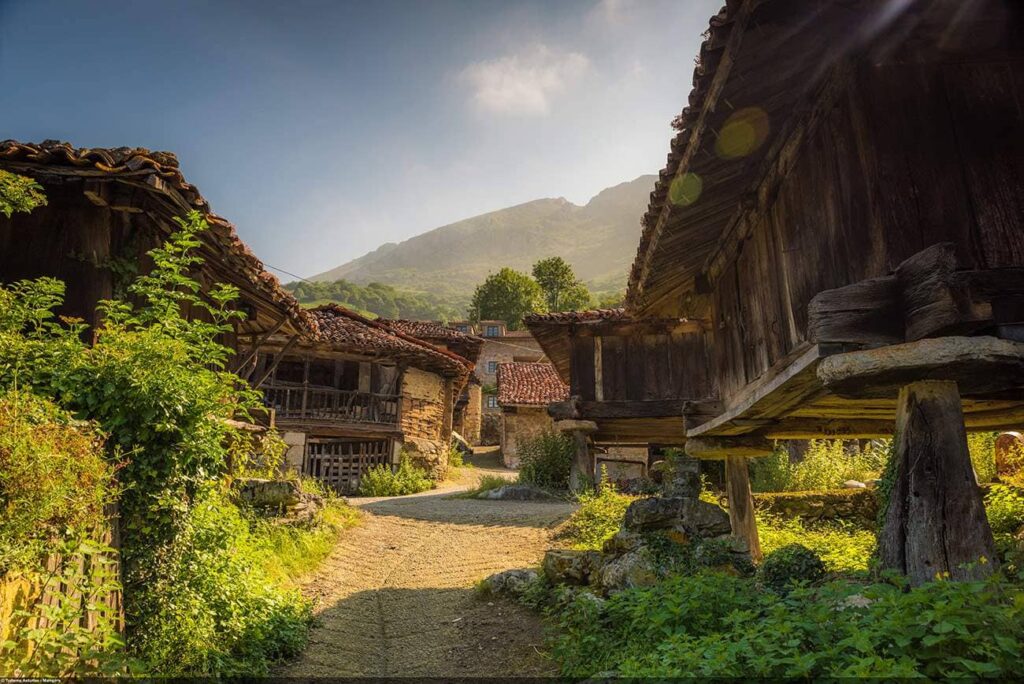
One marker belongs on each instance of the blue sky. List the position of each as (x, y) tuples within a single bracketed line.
[(324, 129)]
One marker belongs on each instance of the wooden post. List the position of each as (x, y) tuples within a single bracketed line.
[(581, 473), (741, 503), (935, 524)]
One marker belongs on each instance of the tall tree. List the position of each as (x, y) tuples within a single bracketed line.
[(507, 295), (563, 291)]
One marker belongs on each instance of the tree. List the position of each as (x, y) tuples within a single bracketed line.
[(563, 291), (611, 300), (507, 295)]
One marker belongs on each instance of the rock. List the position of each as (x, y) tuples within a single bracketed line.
[(634, 569), (621, 542), (517, 492), (460, 443), (871, 484), (683, 478), (652, 514), (429, 455), (726, 553), (261, 493), (703, 520), (562, 566), (854, 484), (511, 582)]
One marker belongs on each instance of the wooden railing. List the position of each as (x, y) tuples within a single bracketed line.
[(323, 404)]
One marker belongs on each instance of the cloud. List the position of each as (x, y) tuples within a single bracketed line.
[(523, 83)]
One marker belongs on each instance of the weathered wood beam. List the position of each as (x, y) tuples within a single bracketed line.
[(261, 340), (277, 360), (581, 472), (724, 447), (863, 313), (741, 504), (979, 365), (935, 524)]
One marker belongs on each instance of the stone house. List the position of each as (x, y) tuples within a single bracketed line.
[(501, 345), (469, 405), (524, 392), (358, 395)]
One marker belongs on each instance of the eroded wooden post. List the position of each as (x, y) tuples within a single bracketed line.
[(935, 523), (741, 503), (581, 473)]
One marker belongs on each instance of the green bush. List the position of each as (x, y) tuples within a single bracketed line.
[(714, 625), (791, 565), (455, 459), (381, 480), (598, 517), (545, 460), (1005, 509), (843, 546), (982, 447), (826, 465)]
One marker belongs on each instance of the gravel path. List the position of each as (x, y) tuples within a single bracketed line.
[(396, 596)]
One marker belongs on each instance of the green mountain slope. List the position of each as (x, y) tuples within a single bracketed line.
[(598, 239)]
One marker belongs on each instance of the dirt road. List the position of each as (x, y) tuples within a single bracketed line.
[(396, 597)]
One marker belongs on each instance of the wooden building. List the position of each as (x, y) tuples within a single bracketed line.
[(842, 216), (105, 209), (358, 394), (469, 405), (525, 390)]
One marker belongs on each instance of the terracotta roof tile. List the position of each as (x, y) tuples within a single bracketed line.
[(348, 331), (578, 316), (530, 383)]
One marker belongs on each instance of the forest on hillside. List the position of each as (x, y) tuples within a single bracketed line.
[(379, 300)]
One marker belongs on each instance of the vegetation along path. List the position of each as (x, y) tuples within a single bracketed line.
[(396, 596)]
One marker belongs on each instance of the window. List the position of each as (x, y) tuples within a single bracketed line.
[(492, 401), (462, 328), (492, 366), (493, 331)]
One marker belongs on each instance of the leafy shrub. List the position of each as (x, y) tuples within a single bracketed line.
[(790, 565), (843, 546), (1005, 509), (485, 484), (18, 193), (826, 465), (54, 480), (598, 517), (545, 460), (294, 550), (982, 447), (381, 480), (213, 607), (714, 625), (455, 459)]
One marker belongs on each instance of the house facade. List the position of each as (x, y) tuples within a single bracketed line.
[(524, 392), (839, 230)]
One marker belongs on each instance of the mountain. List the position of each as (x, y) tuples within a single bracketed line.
[(598, 239)]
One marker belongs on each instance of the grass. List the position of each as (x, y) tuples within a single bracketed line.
[(485, 484), (294, 551), (845, 548)]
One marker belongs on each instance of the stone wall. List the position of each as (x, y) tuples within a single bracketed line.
[(520, 423), (423, 419), (490, 428), (471, 414), (858, 506)]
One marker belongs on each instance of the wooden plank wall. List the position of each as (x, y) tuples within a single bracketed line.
[(643, 367), (911, 155)]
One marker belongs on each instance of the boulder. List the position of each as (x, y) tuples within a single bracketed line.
[(429, 455), (517, 492), (621, 542), (683, 478), (633, 569), (460, 443), (726, 553), (260, 493), (563, 566), (511, 582), (854, 484), (702, 520), (652, 514)]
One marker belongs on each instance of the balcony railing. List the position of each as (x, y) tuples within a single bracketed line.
[(323, 404)]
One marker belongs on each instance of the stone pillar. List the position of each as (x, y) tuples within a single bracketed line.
[(741, 503), (581, 475), (935, 523), (295, 456)]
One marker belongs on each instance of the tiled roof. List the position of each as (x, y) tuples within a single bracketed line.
[(465, 345), (530, 383), (158, 172), (346, 330), (578, 316)]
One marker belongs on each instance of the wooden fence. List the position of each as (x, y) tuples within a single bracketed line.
[(340, 463)]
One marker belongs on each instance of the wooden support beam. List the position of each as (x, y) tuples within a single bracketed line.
[(741, 504), (259, 341), (935, 524), (979, 365), (581, 473), (597, 410), (724, 447), (277, 360)]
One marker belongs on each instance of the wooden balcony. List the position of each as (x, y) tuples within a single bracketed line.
[(311, 404)]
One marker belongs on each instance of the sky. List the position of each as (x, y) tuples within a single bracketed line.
[(323, 129)]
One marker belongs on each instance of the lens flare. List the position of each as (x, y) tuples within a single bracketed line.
[(742, 133), (685, 189)]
